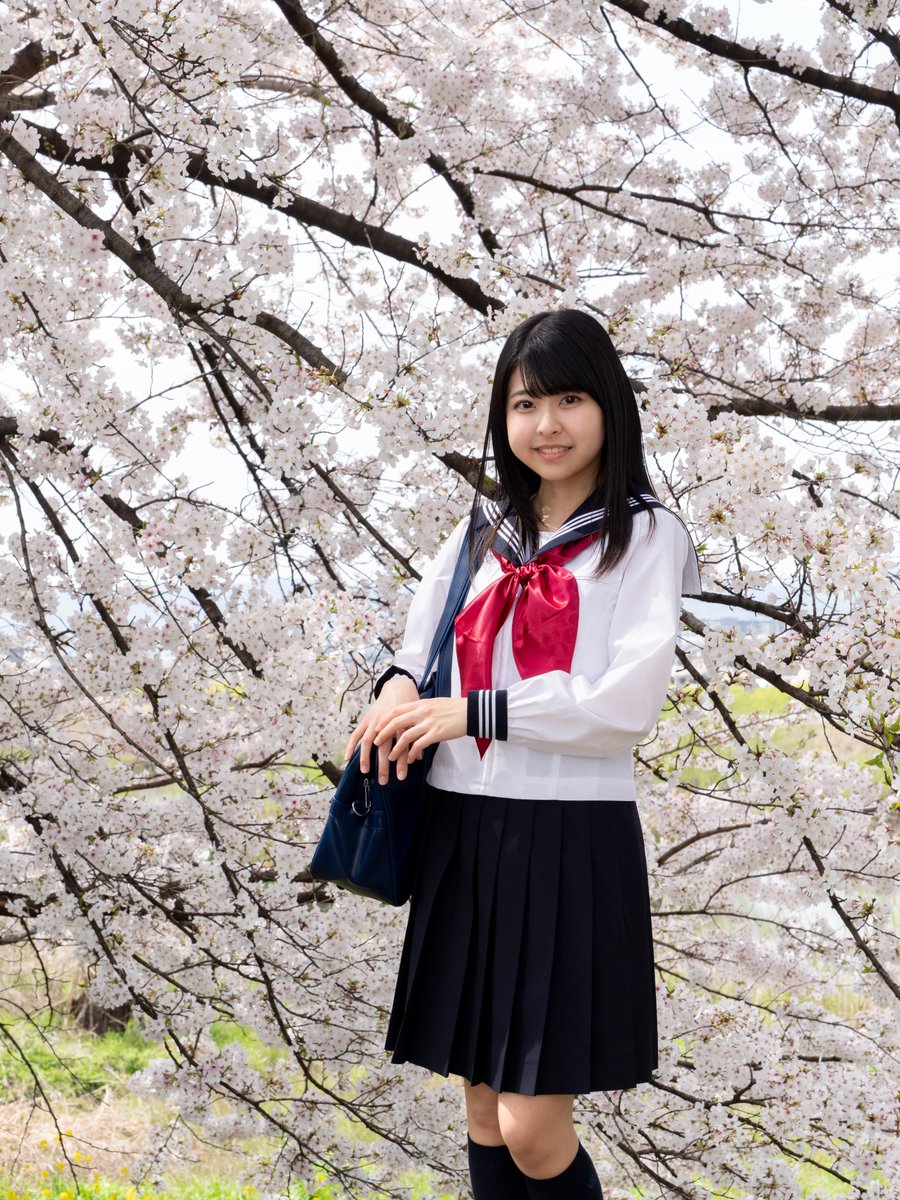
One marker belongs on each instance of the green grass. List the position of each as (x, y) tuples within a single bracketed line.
[(54, 1185), (259, 1055), (72, 1063), (757, 713), (69, 1062)]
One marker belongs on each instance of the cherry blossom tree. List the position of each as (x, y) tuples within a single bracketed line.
[(256, 260)]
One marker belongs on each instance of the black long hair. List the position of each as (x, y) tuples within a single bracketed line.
[(565, 351)]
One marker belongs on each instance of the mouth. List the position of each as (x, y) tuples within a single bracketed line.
[(551, 452)]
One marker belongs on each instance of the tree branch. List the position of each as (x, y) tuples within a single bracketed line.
[(748, 57), (833, 413), (847, 920), (325, 52), (179, 303), (26, 63), (301, 209)]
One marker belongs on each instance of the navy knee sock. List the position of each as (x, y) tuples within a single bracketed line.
[(578, 1182), (494, 1175)]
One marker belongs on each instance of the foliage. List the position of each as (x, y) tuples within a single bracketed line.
[(56, 1185), (70, 1064), (255, 260)]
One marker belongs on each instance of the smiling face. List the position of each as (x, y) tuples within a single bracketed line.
[(559, 437)]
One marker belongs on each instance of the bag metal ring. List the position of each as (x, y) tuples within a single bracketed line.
[(367, 801)]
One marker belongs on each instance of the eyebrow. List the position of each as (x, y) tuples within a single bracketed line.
[(532, 396)]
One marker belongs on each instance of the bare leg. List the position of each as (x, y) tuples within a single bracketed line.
[(481, 1114), (492, 1169), (539, 1132)]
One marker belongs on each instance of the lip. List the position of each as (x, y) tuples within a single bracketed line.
[(552, 451)]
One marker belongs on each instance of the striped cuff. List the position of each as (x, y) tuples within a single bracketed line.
[(486, 714)]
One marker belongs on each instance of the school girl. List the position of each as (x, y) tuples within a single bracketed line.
[(527, 966)]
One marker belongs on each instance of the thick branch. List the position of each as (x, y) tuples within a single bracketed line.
[(834, 413), (807, 697), (700, 835), (879, 32), (348, 228), (750, 57), (179, 303), (301, 209), (786, 614), (309, 33), (26, 63)]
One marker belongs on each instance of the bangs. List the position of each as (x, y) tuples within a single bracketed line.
[(553, 364)]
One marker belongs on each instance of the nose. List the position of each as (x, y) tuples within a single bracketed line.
[(548, 419)]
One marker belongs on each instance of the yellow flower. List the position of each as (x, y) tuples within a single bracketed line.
[(59, 1166), (65, 1195), (123, 1170), (43, 1144)]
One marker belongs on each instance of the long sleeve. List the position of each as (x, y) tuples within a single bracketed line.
[(427, 604), (606, 714)]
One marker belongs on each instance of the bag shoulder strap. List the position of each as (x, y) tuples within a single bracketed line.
[(459, 586)]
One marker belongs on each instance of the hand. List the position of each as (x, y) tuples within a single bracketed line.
[(398, 690), (418, 725)]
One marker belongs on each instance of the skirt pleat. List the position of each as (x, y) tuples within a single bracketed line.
[(573, 951), (528, 958), (509, 927), (535, 967), (476, 988)]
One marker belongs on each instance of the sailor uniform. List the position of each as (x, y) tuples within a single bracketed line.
[(528, 958)]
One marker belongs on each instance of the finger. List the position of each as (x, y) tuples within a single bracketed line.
[(365, 751), (414, 741), (355, 737), (393, 728), (384, 763), (399, 743), (402, 765)]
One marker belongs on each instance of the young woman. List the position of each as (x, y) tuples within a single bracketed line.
[(527, 966)]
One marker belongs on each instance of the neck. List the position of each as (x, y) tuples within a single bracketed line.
[(555, 503)]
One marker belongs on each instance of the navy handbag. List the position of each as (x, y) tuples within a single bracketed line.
[(370, 833)]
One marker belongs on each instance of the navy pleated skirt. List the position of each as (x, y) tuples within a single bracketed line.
[(528, 957)]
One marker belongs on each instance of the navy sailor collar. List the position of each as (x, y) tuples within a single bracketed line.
[(587, 518)]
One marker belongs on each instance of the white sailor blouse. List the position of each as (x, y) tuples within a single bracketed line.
[(565, 735)]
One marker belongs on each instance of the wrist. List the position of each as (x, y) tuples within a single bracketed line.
[(388, 675)]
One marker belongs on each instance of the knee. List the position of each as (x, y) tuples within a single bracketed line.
[(481, 1115), (526, 1141), (539, 1134)]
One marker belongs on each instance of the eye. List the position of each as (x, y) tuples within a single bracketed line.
[(523, 405), (571, 399)]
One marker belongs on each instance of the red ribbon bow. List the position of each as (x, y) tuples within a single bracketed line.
[(545, 621)]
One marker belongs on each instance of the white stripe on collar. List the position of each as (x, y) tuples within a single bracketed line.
[(509, 539)]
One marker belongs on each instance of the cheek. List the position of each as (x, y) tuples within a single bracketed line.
[(514, 432), (599, 428)]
